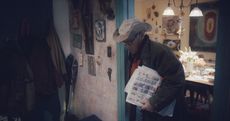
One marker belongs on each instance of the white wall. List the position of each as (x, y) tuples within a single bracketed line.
[(96, 94), (93, 94), (61, 22)]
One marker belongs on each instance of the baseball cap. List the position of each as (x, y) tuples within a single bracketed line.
[(129, 28)]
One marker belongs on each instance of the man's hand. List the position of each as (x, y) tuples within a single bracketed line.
[(146, 105)]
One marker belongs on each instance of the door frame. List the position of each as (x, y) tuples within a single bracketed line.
[(124, 10)]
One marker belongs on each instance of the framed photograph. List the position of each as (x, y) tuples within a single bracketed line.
[(100, 30), (173, 44), (77, 40), (171, 24), (75, 20), (203, 30)]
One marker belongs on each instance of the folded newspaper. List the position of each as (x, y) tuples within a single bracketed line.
[(143, 85)]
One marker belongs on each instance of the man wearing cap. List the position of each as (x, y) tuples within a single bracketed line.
[(159, 57)]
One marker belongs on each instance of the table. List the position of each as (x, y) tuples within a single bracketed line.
[(202, 81), (200, 90)]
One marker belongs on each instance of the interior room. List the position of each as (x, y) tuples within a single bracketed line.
[(59, 60), (181, 37)]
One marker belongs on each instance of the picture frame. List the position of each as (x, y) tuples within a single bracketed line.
[(77, 40), (75, 20), (203, 30), (171, 24), (173, 44), (100, 30), (91, 66)]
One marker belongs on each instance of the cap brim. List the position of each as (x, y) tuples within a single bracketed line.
[(145, 27), (119, 38)]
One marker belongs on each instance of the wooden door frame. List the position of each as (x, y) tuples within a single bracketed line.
[(124, 10)]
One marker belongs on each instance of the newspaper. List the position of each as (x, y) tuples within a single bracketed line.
[(142, 85)]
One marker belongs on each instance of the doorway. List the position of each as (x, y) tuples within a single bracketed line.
[(128, 9)]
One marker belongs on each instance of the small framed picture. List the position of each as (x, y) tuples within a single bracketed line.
[(100, 30), (77, 40), (91, 66), (173, 44), (171, 24)]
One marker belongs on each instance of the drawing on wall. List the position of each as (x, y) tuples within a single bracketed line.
[(173, 44), (77, 40), (203, 30), (100, 30), (91, 66), (171, 24)]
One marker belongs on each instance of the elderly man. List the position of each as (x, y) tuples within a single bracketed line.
[(159, 57)]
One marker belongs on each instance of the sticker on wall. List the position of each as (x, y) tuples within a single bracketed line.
[(91, 66), (100, 30), (173, 44), (77, 40)]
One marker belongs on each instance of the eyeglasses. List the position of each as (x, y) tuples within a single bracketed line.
[(134, 40)]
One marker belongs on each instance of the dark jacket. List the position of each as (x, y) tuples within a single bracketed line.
[(160, 58), (44, 72)]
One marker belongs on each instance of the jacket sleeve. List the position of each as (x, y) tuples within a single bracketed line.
[(171, 70)]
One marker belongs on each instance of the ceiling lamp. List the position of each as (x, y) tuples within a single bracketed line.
[(196, 12), (168, 11)]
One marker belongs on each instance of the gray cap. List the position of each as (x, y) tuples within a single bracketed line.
[(129, 28)]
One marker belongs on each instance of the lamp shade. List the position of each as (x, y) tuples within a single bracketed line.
[(196, 12), (168, 11)]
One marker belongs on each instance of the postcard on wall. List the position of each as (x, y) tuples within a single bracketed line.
[(91, 66), (100, 30)]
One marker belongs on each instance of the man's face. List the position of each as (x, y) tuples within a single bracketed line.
[(132, 45)]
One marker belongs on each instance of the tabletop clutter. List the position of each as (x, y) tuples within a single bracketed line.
[(196, 67)]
